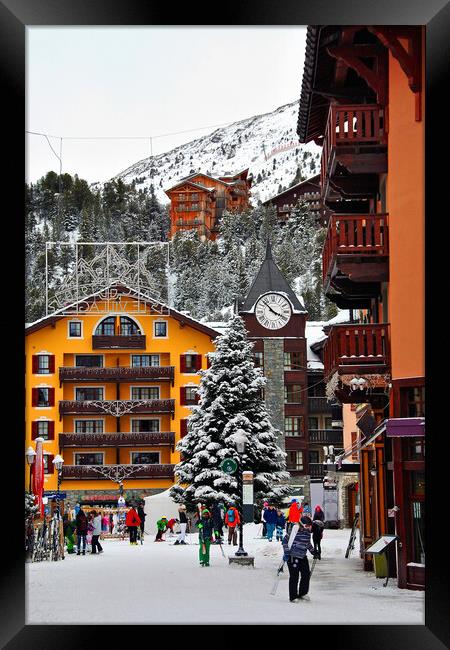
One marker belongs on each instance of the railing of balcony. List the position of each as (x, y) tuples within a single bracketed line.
[(317, 470), (364, 346), (84, 373), (318, 405), (116, 408), (90, 471), (355, 124), (350, 234), (122, 439), (325, 436), (107, 342)]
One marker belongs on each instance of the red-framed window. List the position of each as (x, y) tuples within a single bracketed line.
[(183, 427), (43, 364), (188, 395), (43, 396), (43, 429), (190, 362), (49, 468)]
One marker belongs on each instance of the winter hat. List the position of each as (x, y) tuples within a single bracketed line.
[(293, 500), (318, 508), (205, 512), (266, 503), (306, 521)]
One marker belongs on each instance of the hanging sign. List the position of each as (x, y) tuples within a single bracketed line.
[(228, 465)]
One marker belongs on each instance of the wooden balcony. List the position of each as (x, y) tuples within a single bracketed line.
[(325, 436), (125, 439), (355, 139), (116, 408), (357, 349), (318, 405), (357, 249), (317, 470), (120, 374), (90, 471), (113, 342)]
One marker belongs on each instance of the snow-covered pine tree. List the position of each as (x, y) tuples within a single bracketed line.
[(30, 507), (230, 405)]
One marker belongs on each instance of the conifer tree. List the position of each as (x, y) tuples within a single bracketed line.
[(230, 406)]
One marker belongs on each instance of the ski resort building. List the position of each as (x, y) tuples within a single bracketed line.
[(198, 201), (109, 388), (308, 191), (362, 99)]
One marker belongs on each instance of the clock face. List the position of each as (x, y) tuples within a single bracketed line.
[(273, 311)]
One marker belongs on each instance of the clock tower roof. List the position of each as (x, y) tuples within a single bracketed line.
[(269, 278)]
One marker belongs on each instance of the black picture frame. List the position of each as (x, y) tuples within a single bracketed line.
[(15, 16)]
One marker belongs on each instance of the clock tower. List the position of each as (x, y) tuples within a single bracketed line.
[(275, 320)]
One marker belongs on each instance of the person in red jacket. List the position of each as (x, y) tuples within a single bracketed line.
[(232, 521), (132, 521), (295, 512)]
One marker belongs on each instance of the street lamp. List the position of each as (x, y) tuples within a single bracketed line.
[(31, 457), (240, 447), (58, 463)]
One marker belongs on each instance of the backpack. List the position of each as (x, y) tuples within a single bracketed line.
[(230, 514)]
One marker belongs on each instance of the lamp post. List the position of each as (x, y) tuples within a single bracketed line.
[(58, 463), (31, 457), (240, 446)]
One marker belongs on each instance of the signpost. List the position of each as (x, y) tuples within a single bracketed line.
[(228, 465)]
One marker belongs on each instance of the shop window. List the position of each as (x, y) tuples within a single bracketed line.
[(88, 426), (418, 531), (293, 426), (144, 458), (89, 459), (415, 448), (88, 393)]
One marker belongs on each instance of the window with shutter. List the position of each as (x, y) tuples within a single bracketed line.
[(49, 468), (51, 396), (182, 363), (51, 430), (34, 430), (198, 364), (182, 395), (183, 428), (35, 364)]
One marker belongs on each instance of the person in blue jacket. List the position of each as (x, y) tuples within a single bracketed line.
[(280, 525), (296, 559), (270, 517)]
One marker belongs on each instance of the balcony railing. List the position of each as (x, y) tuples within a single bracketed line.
[(116, 408), (318, 405), (357, 124), (357, 349), (108, 342), (141, 373), (105, 472), (317, 470), (325, 436), (122, 439), (356, 235)]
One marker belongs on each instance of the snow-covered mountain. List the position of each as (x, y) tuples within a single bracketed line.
[(266, 144)]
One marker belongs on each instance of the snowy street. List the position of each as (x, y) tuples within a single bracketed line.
[(158, 583)]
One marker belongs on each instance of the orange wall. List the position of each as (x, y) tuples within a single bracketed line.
[(406, 207)]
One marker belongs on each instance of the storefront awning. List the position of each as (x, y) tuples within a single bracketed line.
[(405, 427)]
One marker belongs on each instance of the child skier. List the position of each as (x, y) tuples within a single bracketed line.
[(297, 562), (205, 536), (161, 526), (280, 524), (317, 529), (232, 521)]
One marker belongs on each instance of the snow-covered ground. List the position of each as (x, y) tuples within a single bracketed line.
[(161, 583)]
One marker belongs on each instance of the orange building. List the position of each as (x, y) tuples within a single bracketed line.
[(199, 200), (110, 389), (363, 101)]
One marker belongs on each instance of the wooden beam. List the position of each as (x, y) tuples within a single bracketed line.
[(352, 55), (410, 58)]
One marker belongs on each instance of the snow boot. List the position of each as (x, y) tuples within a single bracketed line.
[(177, 542)]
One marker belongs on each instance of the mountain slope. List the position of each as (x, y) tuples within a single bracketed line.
[(266, 144)]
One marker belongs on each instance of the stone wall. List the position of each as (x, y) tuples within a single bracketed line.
[(274, 389)]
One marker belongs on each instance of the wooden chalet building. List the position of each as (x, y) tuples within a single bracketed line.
[(362, 100), (198, 201), (308, 191)]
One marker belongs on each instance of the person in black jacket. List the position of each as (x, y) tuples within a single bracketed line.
[(216, 513), (82, 528), (317, 529), (142, 517)]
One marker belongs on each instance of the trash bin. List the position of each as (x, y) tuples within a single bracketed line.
[(380, 563)]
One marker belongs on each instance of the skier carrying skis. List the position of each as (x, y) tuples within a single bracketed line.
[(205, 536), (232, 521), (296, 559)]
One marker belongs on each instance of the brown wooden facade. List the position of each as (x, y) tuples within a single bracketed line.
[(198, 202), (307, 191)]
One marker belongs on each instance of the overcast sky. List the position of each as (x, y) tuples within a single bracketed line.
[(147, 81)]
